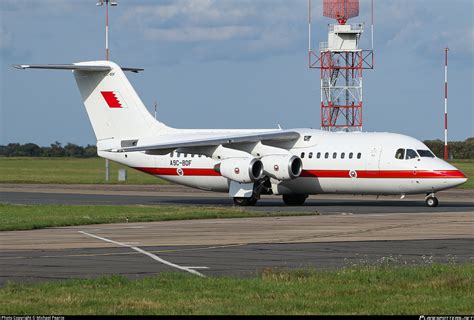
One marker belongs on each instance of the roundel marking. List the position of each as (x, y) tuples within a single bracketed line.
[(180, 172), (237, 170), (353, 174), (276, 167)]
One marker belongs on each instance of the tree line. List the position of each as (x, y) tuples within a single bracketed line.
[(54, 150), (457, 150)]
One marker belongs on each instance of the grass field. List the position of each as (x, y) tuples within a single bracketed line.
[(429, 289), (66, 171), (91, 171), (27, 217)]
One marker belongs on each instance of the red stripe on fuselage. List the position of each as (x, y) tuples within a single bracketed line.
[(386, 174), (202, 172), (365, 174)]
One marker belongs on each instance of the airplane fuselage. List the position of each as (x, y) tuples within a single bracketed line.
[(344, 163)]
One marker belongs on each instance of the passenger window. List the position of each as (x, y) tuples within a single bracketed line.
[(178, 154), (359, 155), (411, 154), (302, 155), (172, 154), (343, 155), (334, 155), (310, 155), (351, 155), (318, 155), (200, 156), (326, 155), (400, 154)]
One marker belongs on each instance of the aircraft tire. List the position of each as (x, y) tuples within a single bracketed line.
[(294, 199), (245, 202), (431, 202)]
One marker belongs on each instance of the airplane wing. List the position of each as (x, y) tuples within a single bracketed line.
[(72, 67), (273, 136)]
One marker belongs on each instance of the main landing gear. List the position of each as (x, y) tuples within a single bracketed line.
[(294, 199), (431, 200), (246, 202)]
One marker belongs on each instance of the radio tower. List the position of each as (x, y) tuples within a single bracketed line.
[(341, 62)]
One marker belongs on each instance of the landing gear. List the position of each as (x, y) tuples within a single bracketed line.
[(294, 199), (431, 200), (245, 202)]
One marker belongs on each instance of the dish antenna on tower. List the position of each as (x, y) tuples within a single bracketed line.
[(341, 10)]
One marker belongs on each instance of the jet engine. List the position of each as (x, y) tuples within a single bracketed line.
[(282, 167), (243, 170)]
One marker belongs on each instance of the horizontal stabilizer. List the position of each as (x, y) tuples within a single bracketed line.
[(90, 68)]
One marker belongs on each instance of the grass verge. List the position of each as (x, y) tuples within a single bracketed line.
[(432, 289), (27, 217), (67, 171)]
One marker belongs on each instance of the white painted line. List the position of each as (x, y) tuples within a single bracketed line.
[(196, 267), (151, 255)]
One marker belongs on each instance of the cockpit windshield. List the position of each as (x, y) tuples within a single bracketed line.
[(411, 154), (407, 154), (425, 153), (400, 154)]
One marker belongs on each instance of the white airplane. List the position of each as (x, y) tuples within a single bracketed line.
[(248, 163)]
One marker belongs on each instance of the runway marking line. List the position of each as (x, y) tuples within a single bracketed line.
[(151, 255)]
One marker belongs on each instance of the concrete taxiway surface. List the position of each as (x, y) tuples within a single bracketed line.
[(341, 234), (450, 201)]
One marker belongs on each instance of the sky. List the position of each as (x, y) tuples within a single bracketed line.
[(233, 64)]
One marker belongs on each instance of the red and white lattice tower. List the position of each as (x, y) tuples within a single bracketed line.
[(341, 62)]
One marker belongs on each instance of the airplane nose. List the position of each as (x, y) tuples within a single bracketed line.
[(461, 178)]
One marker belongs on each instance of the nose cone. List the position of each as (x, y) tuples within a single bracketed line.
[(444, 175), (456, 176), (463, 179)]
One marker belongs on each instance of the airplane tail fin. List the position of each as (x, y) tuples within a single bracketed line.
[(115, 110)]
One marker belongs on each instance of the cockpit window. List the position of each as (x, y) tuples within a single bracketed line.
[(400, 154), (411, 154), (425, 153)]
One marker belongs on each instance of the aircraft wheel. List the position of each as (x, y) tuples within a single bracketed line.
[(431, 202), (245, 202), (294, 199)]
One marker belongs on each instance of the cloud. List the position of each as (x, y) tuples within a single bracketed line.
[(5, 38), (195, 34), (423, 28), (51, 7), (221, 29)]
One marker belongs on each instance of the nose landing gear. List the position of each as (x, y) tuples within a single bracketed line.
[(431, 200)]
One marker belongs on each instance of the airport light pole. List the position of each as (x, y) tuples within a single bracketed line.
[(446, 153), (113, 4)]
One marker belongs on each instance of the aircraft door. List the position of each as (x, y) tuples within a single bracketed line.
[(373, 159)]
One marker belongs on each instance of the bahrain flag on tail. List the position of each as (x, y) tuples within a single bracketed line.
[(113, 99)]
